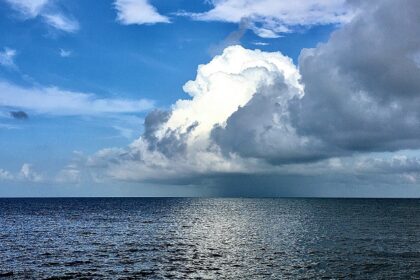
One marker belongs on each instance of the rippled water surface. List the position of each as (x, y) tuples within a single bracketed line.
[(135, 238)]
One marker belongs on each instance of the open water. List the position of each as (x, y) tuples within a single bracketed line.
[(194, 238)]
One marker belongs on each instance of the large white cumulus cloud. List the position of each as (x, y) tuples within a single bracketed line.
[(254, 112), (180, 143), (227, 83)]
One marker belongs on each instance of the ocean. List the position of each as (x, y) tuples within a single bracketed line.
[(209, 238)]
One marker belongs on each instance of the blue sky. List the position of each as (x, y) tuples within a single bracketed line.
[(102, 67)]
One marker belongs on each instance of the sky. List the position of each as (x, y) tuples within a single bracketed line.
[(210, 98)]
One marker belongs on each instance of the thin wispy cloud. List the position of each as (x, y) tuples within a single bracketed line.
[(55, 101), (7, 57), (233, 38), (47, 11), (8, 126), (28, 8), (61, 22), (261, 43), (271, 18), (65, 53)]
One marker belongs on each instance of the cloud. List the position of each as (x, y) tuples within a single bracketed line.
[(138, 12), (19, 115), (271, 18), (179, 143), (72, 173), (362, 91), (127, 126), (234, 38), (262, 129), (28, 8), (55, 101), (8, 126), (260, 43), (61, 22), (47, 10), (5, 175), (65, 53), (347, 116), (397, 163), (27, 173), (7, 58), (361, 95)]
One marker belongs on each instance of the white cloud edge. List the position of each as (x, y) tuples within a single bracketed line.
[(7, 57), (138, 12), (65, 53), (26, 173), (272, 18), (59, 102), (61, 22), (45, 9)]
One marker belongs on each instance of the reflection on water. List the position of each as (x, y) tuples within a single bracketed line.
[(132, 238)]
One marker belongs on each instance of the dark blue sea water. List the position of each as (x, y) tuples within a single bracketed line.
[(136, 238)]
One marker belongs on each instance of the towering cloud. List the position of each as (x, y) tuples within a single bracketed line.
[(254, 112), (27, 173), (180, 142)]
